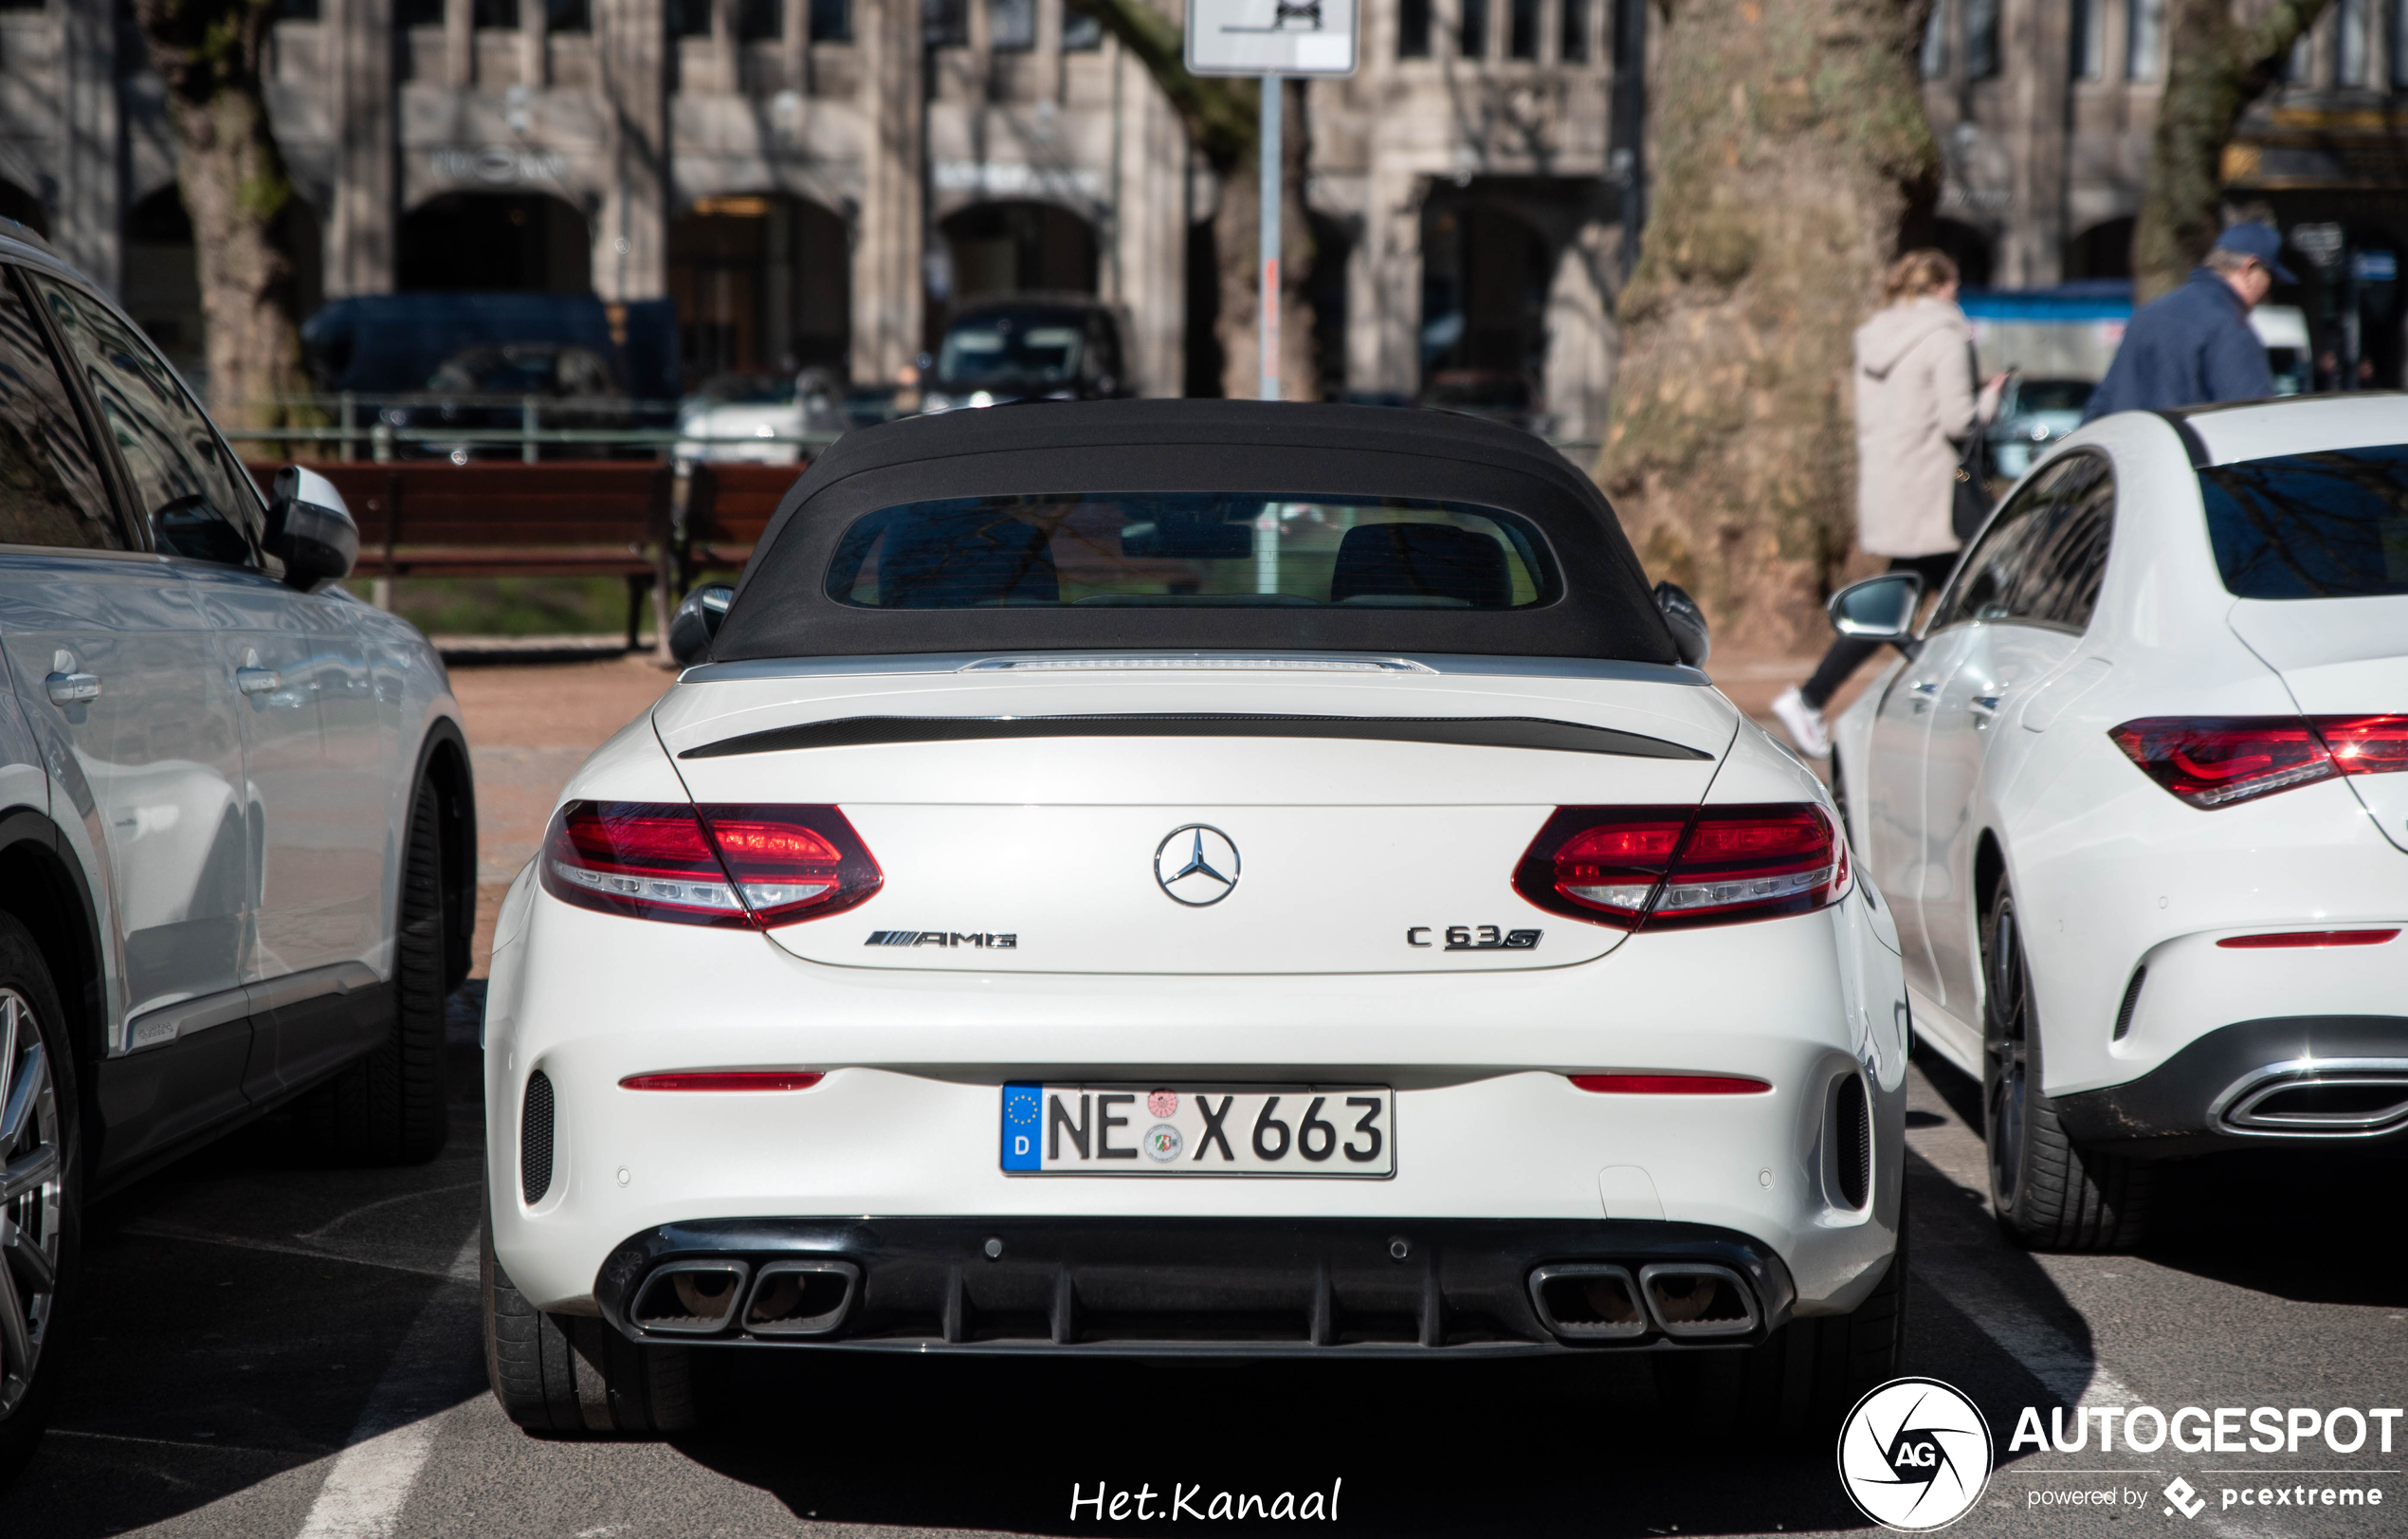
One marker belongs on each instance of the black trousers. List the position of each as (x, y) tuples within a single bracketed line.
[(1848, 652)]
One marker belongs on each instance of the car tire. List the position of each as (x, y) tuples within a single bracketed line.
[(1795, 1387), (2048, 1193), (38, 1269), (388, 1109), (575, 1376)]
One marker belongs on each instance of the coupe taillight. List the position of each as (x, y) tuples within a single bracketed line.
[(2213, 761), (1673, 868), (746, 867)]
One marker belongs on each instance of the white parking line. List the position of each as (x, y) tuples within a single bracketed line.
[(371, 1478)]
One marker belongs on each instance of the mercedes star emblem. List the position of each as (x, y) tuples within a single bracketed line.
[(1196, 865)]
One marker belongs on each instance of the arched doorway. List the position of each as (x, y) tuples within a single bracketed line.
[(492, 243), (2104, 251), (1484, 273), (762, 281), (1010, 248), (160, 286), (23, 206), (1967, 247)]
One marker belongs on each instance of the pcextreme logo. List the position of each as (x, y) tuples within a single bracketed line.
[(1914, 1455)]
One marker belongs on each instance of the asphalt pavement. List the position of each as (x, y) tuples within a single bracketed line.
[(275, 1349)]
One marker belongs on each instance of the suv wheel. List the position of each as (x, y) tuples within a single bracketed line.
[(41, 1190), (2049, 1194)]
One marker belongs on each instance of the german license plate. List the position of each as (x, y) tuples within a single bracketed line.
[(1325, 1130)]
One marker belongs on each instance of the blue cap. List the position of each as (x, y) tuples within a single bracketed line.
[(2263, 242)]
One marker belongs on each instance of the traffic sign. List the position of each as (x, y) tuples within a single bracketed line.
[(1271, 37)]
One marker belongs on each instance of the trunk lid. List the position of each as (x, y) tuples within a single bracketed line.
[(1321, 854), (2340, 657)]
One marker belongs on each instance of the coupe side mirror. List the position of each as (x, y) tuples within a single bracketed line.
[(697, 621), (310, 529), (1688, 623), (1878, 608)]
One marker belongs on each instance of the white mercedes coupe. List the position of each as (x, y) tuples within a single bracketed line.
[(1193, 877), (2135, 793)]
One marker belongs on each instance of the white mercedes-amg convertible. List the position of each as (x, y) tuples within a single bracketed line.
[(1193, 877)]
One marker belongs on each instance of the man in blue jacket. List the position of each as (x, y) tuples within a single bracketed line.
[(2195, 345)]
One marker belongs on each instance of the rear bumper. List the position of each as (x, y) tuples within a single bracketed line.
[(1197, 1286), (2225, 1090)]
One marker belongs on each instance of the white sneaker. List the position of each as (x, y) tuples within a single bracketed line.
[(1807, 728)]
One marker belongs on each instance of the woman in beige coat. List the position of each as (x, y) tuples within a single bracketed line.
[(1916, 407)]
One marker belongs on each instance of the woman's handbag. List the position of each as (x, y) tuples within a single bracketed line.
[(1972, 485)]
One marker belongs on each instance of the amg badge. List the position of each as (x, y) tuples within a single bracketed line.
[(945, 938)]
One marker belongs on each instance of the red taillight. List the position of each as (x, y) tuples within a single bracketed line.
[(726, 1079), (2305, 937), (1670, 1084), (2213, 761), (1668, 868), (742, 865)]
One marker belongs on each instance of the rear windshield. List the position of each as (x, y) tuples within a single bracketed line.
[(1189, 549), (1012, 347), (2326, 526)]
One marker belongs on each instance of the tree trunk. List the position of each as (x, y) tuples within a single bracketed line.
[(1237, 255), (1223, 120), (235, 189), (2222, 55), (1791, 149)]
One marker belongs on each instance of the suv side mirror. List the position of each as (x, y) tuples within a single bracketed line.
[(1688, 623), (697, 621), (310, 529), (1878, 608)]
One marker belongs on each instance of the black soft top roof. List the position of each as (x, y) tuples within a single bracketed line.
[(1605, 608)]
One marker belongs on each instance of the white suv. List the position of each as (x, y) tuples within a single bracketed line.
[(237, 848)]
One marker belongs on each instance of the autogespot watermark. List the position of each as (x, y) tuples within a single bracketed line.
[(1144, 1504), (2345, 1431)]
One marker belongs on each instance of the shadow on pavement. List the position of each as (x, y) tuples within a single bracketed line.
[(2293, 1223)]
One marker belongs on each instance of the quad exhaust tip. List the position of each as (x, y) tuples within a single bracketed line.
[(1598, 1301), (690, 1299), (1583, 1302), (2337, 1098), (801, 1298), (1697, 1299)]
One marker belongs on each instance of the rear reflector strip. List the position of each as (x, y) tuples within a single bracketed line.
[(2306, 938), (726, 1079), (1670, 1084)]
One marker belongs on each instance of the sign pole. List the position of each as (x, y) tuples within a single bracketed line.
[(1267, 300)]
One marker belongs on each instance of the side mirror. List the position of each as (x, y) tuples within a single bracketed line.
[(1878, 608), (310, 529), (1688, 622), (697, 621)]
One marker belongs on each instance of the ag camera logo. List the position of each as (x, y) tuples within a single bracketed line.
[(1915, 1454)]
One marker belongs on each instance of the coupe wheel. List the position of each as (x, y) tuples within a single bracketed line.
[(2049, 1194), (40, 1188)]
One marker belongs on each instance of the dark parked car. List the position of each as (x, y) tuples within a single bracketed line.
[(1019, 347), (488, 386)]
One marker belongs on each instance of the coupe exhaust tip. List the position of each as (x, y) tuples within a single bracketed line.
[(690, 1299), (801, 1298), (1583, 1302), (1695, 1299)]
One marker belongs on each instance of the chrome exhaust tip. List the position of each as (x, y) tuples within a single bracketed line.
[(1694, 1300), (801, 1298), (2331, 1098), (1588, 1302), (690, 1299)]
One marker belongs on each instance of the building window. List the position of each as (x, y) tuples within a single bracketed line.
[(2088, 57), (831, 20), (689, 18), (1081, 31), (287, 10), (1573, 46), (945, 24), (1011, 25), (1521, 29), (1413, 28), (2300, 68), (417, 12), (1982, 39), (2400, 42), (1935, 42), (2356, 51), (761, 21), (567, 17), (2144, 38), (1472, 34), (494, 15)]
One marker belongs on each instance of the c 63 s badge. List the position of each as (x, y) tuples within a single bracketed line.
[(1474, 938)]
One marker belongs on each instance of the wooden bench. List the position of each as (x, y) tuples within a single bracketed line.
[(431, 519), (728, 508)]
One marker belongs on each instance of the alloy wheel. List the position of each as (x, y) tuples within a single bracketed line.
[(33, 1180), (2006, 1043)]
